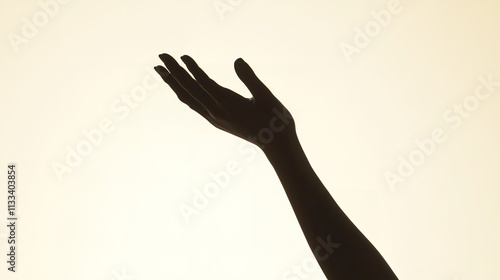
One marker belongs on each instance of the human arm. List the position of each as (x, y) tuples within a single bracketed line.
[(341, 250)]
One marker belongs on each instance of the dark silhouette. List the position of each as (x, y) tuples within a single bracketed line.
[(341, 250)]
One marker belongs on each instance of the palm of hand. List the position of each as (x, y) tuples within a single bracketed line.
[(261, 119)]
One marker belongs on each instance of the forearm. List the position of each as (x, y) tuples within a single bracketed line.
[(349, 254)]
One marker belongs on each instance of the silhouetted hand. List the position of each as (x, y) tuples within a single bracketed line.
[(264, 121), (261, 119)]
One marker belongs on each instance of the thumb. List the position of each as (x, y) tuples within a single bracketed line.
[(251, 81)]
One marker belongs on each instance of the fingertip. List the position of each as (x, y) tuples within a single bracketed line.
[(239, 61), (162, 71), (242, 68), (185, 59), (237, 64), (188, 60), (165, 56)]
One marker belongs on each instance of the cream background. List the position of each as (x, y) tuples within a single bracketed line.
[(117, 213)]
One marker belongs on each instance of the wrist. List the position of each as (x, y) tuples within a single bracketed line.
[(283, 148)]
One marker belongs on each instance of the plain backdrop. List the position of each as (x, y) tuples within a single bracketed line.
[(115, 211)]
